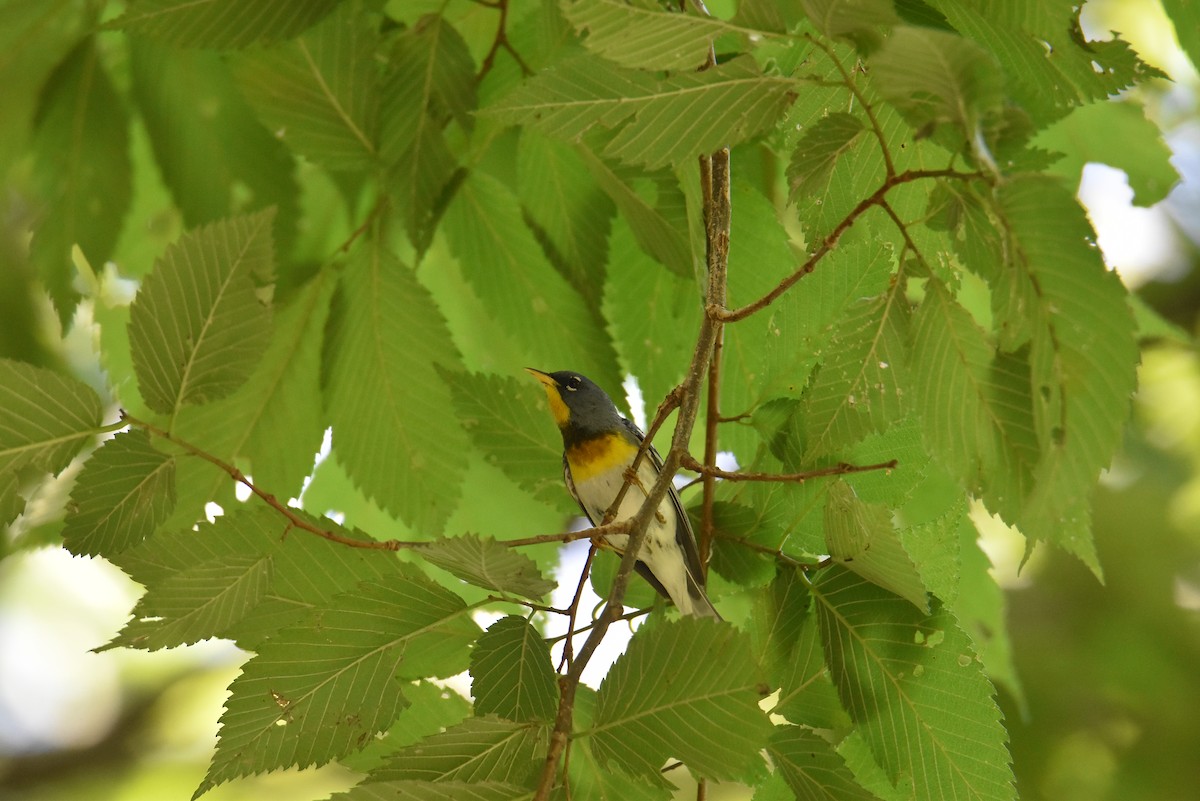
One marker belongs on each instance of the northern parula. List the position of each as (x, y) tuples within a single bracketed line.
[(599, 445)]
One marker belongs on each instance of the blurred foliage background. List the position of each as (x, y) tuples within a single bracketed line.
[(1110, 673)]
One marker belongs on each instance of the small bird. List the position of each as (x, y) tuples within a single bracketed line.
[(599, 445)]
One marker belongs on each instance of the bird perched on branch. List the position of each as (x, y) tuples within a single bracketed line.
[(599, 446)]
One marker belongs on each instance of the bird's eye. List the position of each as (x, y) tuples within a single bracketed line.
[(573, 383)]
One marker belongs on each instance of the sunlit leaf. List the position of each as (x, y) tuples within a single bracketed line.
[(480, 749), (812, 768)]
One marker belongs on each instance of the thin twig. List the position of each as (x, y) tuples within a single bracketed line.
[(877, 129), (501, 40), (840, 469), (827, 244), (717, 225), (573, 610), (619, 527), (237, 475), (633, 615)]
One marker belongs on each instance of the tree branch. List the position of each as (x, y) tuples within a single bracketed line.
[(237, 475), (688, 400), (839, 469), (827, 244)]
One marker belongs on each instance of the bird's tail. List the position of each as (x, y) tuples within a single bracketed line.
[(699, 605)]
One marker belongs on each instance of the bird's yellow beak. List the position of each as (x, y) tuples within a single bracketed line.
[(558, 408)]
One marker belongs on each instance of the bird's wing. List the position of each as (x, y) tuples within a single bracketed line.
[(683, 530)]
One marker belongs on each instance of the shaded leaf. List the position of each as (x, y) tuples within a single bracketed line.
[(416, 790), (125, 491), (320, 91), (511, 673), (503, 262), (644, 34), (673, 120), (480, 749), (488, 564), (84, 179), (812, 768), (687, 689), (862, 539), (207, 142), (222, 24), (935, 77), (430, 81), (818, 152), (855, 391), (197, 327)]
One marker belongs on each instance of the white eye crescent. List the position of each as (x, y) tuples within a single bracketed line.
[(573, 384)]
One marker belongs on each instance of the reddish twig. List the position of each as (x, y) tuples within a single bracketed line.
[(839, 469), (294, 519)]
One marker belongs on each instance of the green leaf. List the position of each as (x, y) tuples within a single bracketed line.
[(322, 690), (222, 24), (687, 689), (658, 230), (936, 77), (807, 317), (196, 603), (482, 749), (320, 91), (434, 709), (966, 399), (818, 153), (270, 422), (784, 632), (83, 177), (392, 418), (673, 120), (862, 539), (47, 419), (488, 564), (915, 689), (854, 19), (590, 780), (197, 326), (812, 768), (414, 790), (1048, 64), (306, 571), (504, 263), (857, 389), (1116, 134), (125, 491), (207, 142), (643, 34), (511, 673), (934, 547), (431, 80), (1082, 358), (566, 208), (506, 418), (1185, 16)]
